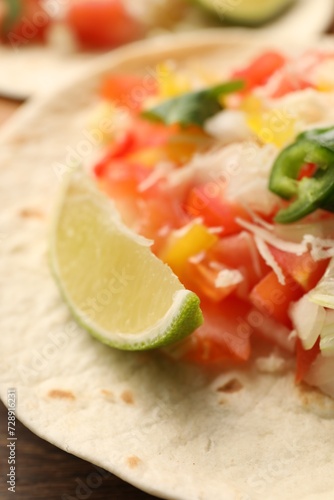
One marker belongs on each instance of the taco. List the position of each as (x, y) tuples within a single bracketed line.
[(176, 428)]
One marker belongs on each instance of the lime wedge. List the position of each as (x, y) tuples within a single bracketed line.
[(114, 285), (246, 12)]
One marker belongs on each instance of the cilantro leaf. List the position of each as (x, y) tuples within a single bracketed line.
[(192, 108)]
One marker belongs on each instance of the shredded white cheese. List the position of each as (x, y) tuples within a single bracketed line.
[(268, 237), (269, 259), (228, 277)]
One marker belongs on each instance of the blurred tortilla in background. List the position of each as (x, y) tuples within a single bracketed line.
[(26, 68)]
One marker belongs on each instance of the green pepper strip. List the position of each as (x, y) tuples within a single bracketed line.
[(310, 193)]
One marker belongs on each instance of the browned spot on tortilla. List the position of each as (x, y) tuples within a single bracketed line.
[(233, 385), (222, 402), (127, 397), (316, 401), (21, 139), (133, 461), (107, 394), (31, 213), (60, 394)]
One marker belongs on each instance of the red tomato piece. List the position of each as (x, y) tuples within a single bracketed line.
[(273, 298), (202, 276), (267, 328), (121, 178), (151, 134), (141, 136), (117, 150), (102, 24), (128, 90), (224, 335), (305, 358), (215, 210), (160, 213), (289, 83), (301, 268), (240, 252), (261, 69)]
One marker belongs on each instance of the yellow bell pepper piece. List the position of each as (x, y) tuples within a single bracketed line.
[(170, 82), (185, 243), (270, 125), (149, 157)]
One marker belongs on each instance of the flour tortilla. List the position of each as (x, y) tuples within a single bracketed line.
[(32, 70), (170, 429)]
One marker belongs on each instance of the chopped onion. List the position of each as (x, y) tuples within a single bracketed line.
[(308, 319), (320, 248), (228, 126), (321, 375), (295, 232), (269, 237), (323, 293), (327, 335), (242, 169)]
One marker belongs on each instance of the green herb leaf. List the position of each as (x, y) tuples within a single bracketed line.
[(192, 108), (13, 13)]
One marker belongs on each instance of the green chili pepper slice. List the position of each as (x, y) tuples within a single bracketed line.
[(313, 146)]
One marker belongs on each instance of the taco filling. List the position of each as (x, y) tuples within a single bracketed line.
[(234, 183)]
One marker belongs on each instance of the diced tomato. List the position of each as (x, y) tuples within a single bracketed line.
[(301, 268), (273, 298), (261, 69), (305, 358), (144, 138), (26, 24), (286, 84), (117, 150), (151, 134), (268, 329), (128, 90), (122, 179), (146, 134), (202, 275), (159, 215), (224, 335), (102, 24), (240, 252), (166, 144), (208, 201)]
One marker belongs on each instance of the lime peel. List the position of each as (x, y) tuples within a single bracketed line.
[(116, 288), (247, 12)]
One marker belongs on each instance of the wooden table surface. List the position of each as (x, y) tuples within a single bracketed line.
[(44, 471)]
